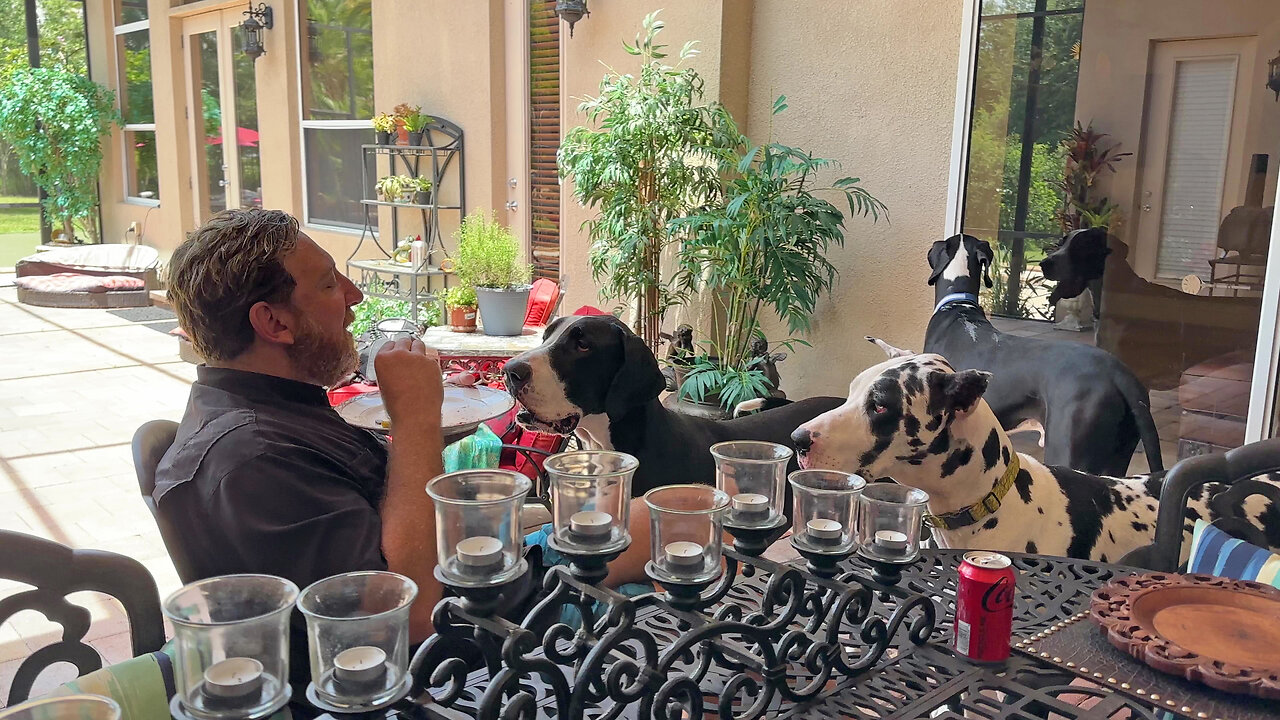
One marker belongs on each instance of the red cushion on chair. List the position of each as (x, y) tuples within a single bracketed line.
[(542, 302), (589, 310)]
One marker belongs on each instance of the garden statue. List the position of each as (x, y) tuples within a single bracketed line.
[(769, 365), (679, 352)]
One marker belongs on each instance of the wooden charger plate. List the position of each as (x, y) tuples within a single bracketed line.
[(1223, 633)]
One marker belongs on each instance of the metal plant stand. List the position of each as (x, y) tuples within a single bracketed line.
[(381, 276)]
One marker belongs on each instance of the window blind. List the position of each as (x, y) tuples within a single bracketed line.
[(1199, 130)]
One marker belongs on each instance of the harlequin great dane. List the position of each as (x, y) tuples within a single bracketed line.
[(1091, 409), (594, 377), (915, 419)]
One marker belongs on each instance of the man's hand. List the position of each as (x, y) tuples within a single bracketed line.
[(410, 380)]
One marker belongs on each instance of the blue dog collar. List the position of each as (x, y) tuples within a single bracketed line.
[(955, 298)]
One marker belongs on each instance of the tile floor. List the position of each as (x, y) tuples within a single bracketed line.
[(74, 385)]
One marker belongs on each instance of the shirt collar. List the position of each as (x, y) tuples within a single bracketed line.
[(261, 387)]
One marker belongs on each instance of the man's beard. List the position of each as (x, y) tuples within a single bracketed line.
[(321, 359)]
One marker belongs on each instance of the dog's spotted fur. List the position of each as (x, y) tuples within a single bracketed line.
[(918, 421)]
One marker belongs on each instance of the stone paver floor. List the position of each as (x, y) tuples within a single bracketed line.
[(74, 385)]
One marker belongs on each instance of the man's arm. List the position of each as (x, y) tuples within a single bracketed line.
[(410, 381)]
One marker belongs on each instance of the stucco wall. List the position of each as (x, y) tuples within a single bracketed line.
[(1116, 46)]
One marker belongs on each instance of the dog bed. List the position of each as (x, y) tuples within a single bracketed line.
[(88, 276)]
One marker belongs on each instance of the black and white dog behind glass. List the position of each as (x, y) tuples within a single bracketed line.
[(1091, 408), (917, 420), (593, 376)]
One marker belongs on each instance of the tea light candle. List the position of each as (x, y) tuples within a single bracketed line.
[(479, 551), (891, 540), (684, 555), (360, 664), (750, 504), (233, 678), (591, 524), (825, 531)]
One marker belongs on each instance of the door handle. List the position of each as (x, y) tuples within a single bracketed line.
[(222, 183), (512, 205)]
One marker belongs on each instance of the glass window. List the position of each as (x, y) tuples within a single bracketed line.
[(336, 64), (137, 107), (246, 92)]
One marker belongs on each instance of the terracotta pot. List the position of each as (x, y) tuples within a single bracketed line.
[(462, 319)]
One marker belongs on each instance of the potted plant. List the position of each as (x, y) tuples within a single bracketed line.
[(421, 185), (488, 260), (646, 157), (760, 244), (54, 120), (414, 122), (461, 302), (383, 126), (392, 188)]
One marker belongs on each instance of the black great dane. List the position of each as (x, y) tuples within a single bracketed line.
[(1091, 408), (593, 376)]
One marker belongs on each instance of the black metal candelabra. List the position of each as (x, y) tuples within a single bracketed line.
[(814, 622)]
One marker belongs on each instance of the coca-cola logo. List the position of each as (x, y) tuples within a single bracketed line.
[(999, 596)]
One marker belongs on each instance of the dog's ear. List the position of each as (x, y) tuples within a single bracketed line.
[(985, 257), (891, 351), (638, 380), (551, 327), (940, 254), (957, 393)]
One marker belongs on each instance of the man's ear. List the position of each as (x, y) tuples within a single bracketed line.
[(551, 328), (985, 257), (957, 393), (638, 381), (940, 254), (273, 323)]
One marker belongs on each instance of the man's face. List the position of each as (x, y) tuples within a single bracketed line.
[(323, 351)]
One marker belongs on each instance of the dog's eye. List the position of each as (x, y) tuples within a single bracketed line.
[(581, 346)]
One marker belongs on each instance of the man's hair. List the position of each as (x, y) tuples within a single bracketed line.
[(225, 267)]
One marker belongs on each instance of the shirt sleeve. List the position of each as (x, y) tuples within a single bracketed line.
[(295, 515)]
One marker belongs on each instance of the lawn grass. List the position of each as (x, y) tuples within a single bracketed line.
[(18, 220), (15, 246)]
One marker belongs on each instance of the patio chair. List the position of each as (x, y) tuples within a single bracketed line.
[(150, 442), (55, 571), (1237, 468)]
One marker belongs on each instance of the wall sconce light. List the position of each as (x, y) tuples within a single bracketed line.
[(1273, 75), (258, 20), (571, 11)]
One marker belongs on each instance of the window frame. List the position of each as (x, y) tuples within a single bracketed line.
[(125, 128), (304, 125)]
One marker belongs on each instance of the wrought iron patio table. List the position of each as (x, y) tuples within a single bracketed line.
[(911, 673)]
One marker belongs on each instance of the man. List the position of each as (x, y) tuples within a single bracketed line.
[(263, 476)]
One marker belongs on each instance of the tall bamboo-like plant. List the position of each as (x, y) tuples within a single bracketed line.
[(761, 243), (648, 158), (1087, 158), (55, 120)]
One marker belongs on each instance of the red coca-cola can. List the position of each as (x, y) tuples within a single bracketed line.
[(984, 607)]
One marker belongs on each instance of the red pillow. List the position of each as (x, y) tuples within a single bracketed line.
[(542, 301)]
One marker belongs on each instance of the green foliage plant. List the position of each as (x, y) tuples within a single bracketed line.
[(488, 254), (372, 310), (647, 157), (393, 187), (461, 296), (412, 117), (1088, 156), (761, 243), (420, 183), (55, 120), (382, 122)]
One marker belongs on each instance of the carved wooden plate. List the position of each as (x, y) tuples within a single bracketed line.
[(1223, 633)]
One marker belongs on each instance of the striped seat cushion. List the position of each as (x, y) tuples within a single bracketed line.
[(1213, 552)]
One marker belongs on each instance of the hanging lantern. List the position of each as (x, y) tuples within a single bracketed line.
[(571, 11), (257, 21), (1273, 74)]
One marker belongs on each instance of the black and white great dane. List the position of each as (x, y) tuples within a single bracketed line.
[(594, 377), (1090, 408), (915, 419)]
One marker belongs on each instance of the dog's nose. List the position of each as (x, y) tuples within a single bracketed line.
[(1046, 267), (518, 374), (802, 439)]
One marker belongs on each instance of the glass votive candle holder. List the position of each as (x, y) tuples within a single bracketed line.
[(591, 499), (358, 638), (825, 510), (232, 645), (66, 707), (478, 533), (685, 532), (889, 521), (753, 474)]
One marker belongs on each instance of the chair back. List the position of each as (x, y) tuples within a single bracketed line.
[(56, 571), (544, 301), (1239, 469), (150, 443)]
